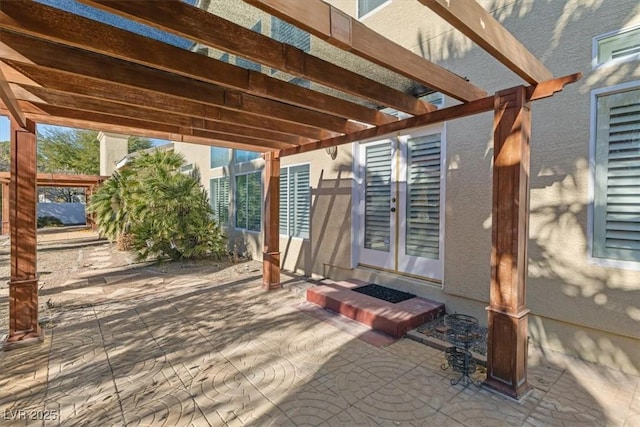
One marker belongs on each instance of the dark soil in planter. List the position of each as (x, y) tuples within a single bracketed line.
[(386, 294)]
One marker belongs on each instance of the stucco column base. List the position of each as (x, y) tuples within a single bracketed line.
[(271, 271), (507, 353)]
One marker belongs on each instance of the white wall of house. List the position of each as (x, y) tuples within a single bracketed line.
[(580, 304)]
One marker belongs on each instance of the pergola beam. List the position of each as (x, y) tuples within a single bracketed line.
[(38, 20), (83, 103), (195, 24), (17, 49), (100, 89), (471, 19), (343, 31), (61, 180), (533, 93), (60, 116)]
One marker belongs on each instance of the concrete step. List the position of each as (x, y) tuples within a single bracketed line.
[(393, 319)]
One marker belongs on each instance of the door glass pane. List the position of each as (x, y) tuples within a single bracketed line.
[(423, 197), (254, 202), (241, 201), (377, 202)]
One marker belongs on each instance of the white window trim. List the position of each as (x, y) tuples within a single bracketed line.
[(594, 51), (603, 262), (368, 14), (235, 189), (286, 236)]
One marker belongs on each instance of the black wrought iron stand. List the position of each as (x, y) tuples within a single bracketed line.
[(462, 333)]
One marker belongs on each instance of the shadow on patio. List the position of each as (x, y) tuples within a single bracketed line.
[(200, 345)]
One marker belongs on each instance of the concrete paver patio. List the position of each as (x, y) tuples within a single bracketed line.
[(153, 348)]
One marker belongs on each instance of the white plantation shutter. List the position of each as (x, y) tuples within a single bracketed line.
[(248, 201), (616, 233), (219, 199), (284, 201), (377, 200), (423, 197), (295, 201), (300, 201)]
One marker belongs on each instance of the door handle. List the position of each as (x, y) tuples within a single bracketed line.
[(393, 209)]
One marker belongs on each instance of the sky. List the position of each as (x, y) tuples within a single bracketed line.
[(110, 19)]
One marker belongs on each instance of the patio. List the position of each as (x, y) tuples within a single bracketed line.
[(195, 344)]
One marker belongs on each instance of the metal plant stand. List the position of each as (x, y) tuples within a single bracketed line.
[(462, 333)]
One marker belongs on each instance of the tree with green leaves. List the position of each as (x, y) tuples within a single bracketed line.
[(161, 211), (5, 159), (72, 151), (75, 151)]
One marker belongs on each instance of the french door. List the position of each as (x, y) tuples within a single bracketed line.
[(400, 204)]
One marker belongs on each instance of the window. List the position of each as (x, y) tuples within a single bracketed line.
[(621, 46), (219, 157), (616, 209), (367, 6), (284, 32), (248, 201), (242, 156), (295, 201), (186, 168), (219, 199)]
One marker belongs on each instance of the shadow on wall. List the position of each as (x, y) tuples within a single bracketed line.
[(564, 285), (329, 241), (599, 306)]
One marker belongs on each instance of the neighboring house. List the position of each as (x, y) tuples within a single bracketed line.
[(413, 210)]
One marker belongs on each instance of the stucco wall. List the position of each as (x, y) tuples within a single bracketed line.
[(577, 306)]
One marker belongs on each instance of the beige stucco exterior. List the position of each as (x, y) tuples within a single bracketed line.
[(578, 306)]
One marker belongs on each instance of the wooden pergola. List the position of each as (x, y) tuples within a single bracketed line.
[(87, 182), (60, 68)]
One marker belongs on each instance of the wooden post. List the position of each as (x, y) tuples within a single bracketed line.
[(23, 286), (507, 346), (5, 208), (90, 217), (271, 221)]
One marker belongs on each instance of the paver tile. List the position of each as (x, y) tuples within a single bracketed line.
[(197, 350)]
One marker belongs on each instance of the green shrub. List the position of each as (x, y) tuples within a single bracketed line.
[(163, 212), (49, 221)]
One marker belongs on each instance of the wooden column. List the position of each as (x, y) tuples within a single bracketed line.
[(5, 208), (271, 221), (507, 346), (23, 286), (90, 217)]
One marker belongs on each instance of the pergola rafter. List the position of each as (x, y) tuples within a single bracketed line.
[(193, 23), (31, 18), (343, 31), (59, 68)]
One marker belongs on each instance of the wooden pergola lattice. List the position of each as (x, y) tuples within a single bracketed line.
[(87, 182), (60, 68)]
